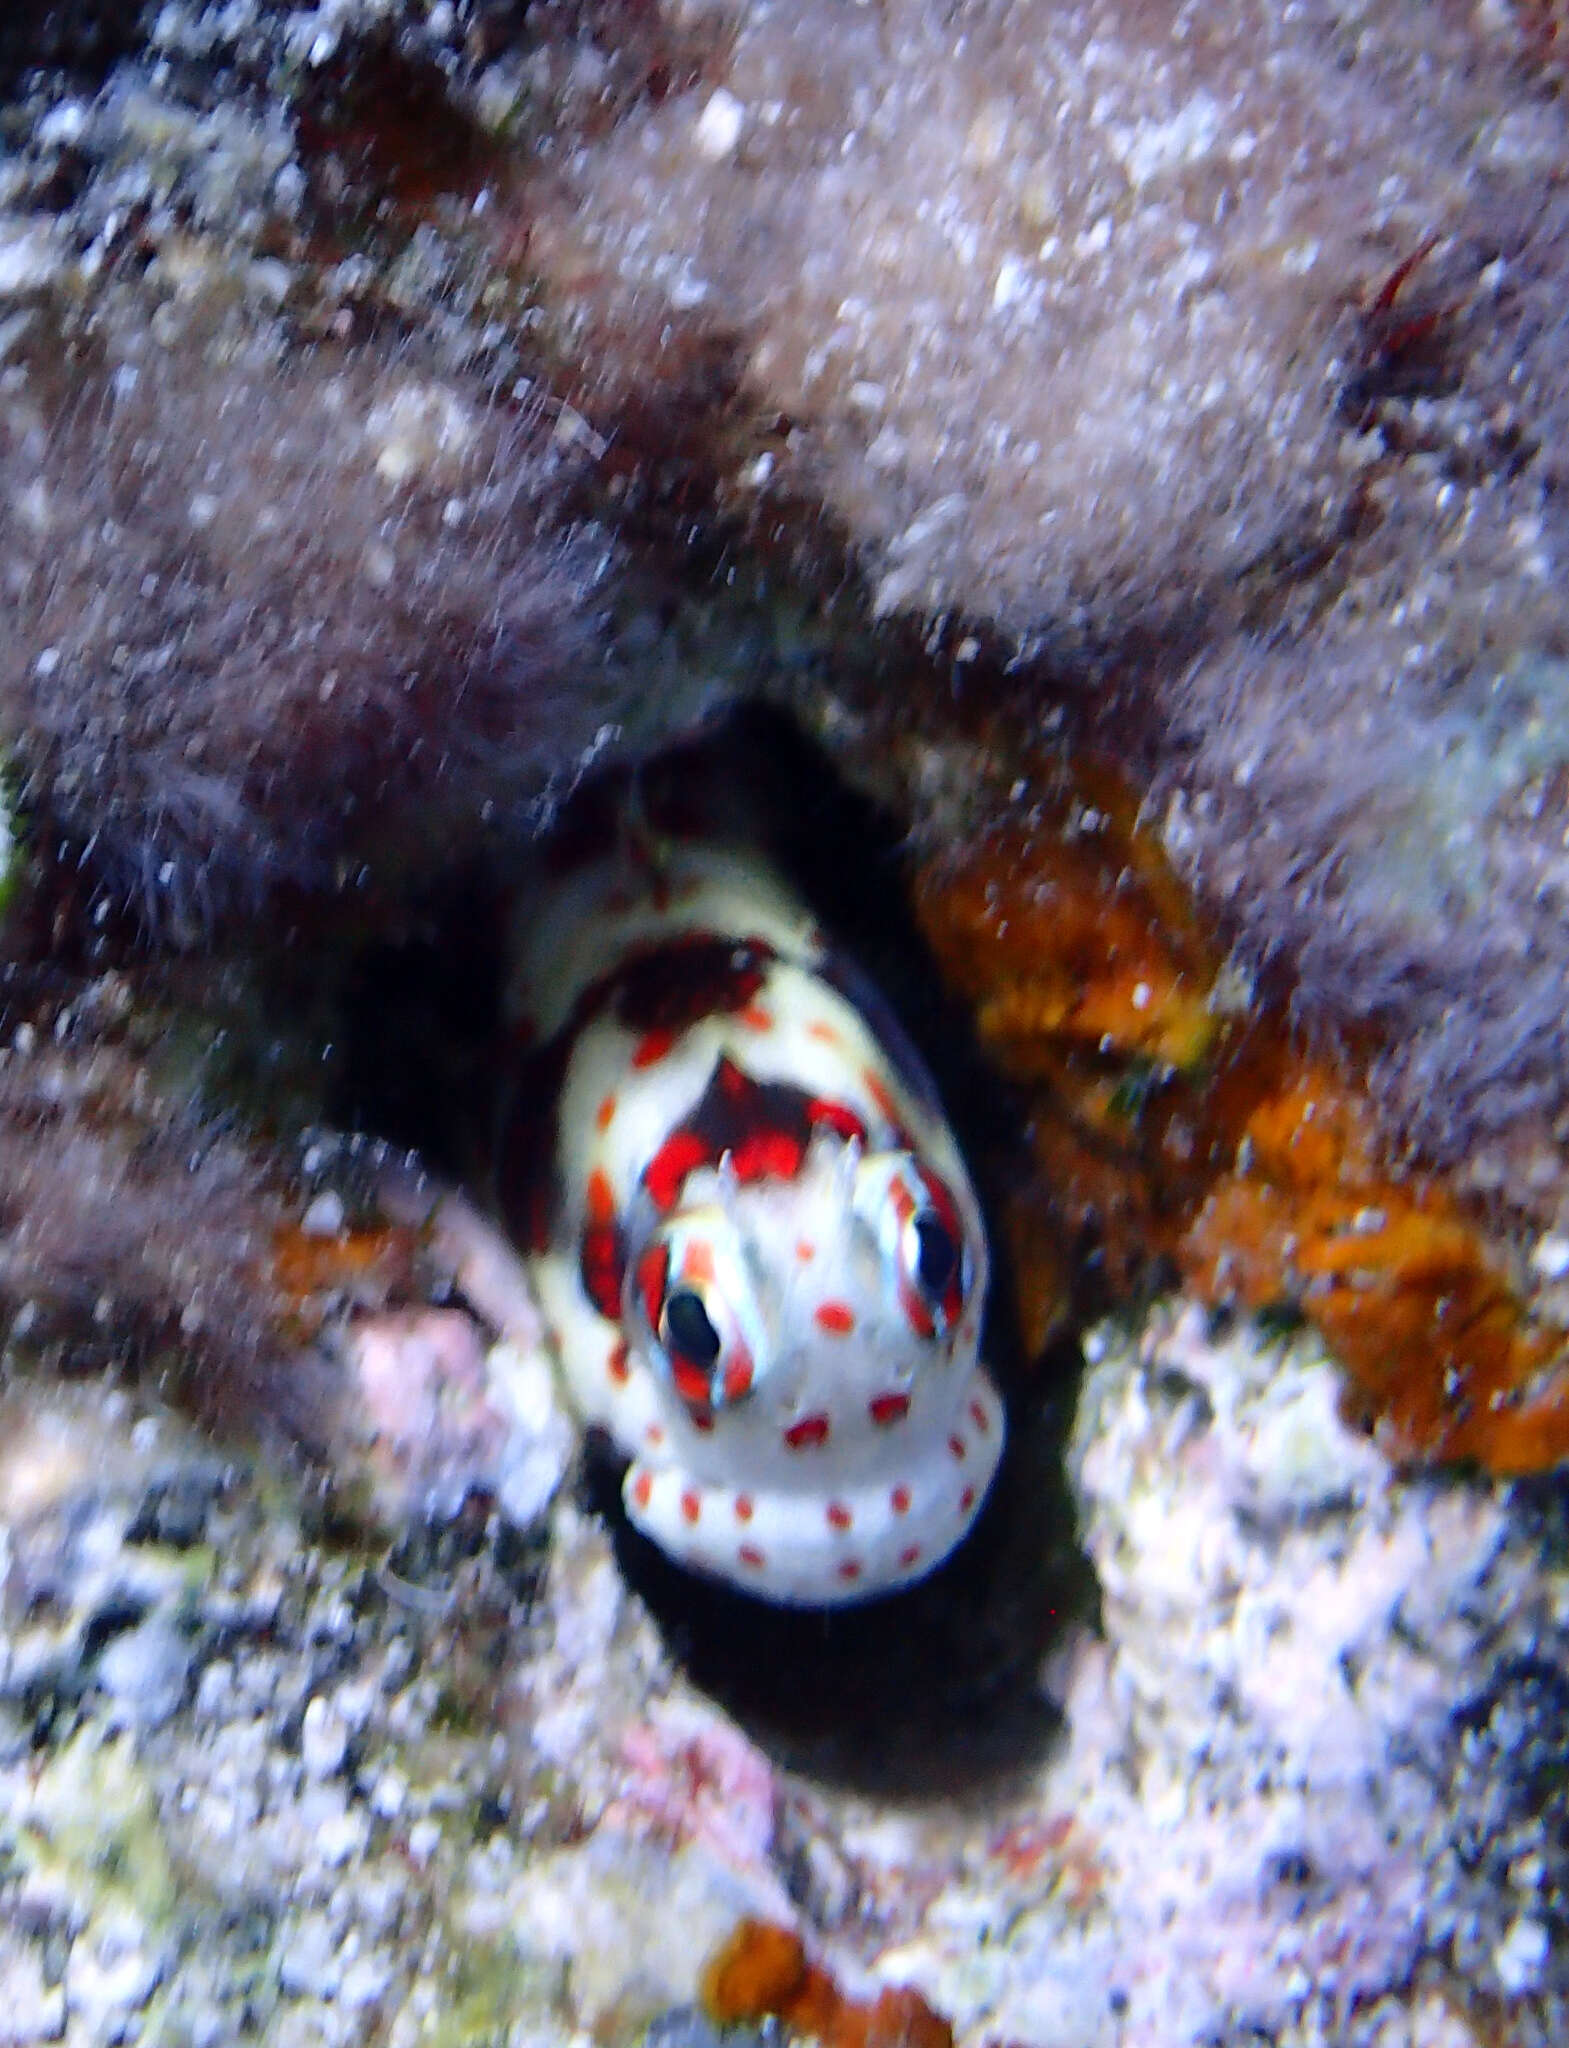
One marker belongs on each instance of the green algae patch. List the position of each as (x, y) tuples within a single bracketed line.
[(93, 1820)]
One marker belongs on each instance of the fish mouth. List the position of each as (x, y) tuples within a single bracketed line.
[(841, 1536)]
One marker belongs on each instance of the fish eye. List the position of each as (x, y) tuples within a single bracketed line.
[(918, 1227), (932, 1282), (686, 1329), (691, 1289), (936, 1255)]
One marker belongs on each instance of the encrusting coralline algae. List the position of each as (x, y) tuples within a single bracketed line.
[(1296, 1788)]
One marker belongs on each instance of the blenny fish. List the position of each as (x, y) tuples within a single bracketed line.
[(753, 1240)]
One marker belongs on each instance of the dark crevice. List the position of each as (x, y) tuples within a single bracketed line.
[(936, 1686)]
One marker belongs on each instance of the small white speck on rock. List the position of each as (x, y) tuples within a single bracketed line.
[(1012, 283), (324, 1740), (112, 1974), (719, 125), (424, 1840), (1521, 1957), (324, 1215), (389, 1795)]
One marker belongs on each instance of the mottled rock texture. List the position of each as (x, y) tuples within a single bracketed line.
[(1304, 1787), (1265, 1818)]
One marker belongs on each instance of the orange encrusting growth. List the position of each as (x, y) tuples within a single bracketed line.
[(313, 1273), (762, 1972), (1163, 1125), (1088, 975), (1391, 1273), (1070, 931)]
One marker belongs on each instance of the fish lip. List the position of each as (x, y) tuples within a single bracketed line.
[(807, 1533)]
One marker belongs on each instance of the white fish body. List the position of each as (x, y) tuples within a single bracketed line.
[(752, 1236)]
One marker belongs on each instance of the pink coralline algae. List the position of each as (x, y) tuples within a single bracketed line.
[(693, 1777)]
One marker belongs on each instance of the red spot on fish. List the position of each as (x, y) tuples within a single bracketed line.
[(617, 1366), (642, 1488), (762, 1127), (807, 1434), (836, 1317), (691, 1382), (654, 1434), (942, 1201), (879, 1094), (656, 993), (667, 1170), (604, 1115), (749, 1554), (910, 1554), (600, 1269), (702, 1419), (899, 1500), (697, 1261), (805, 1251), (743, 1507), (849, 1571), (653, 1269), (888, 1408), (652, 1047), (978, 1417), (956, 1445), (767, 1155), (691, 1506), (755, 1018), (737, 1381), (825, 1034), (834, 1116), (966, 1500), (602, 1260), (839, 1516), (916, 1313)]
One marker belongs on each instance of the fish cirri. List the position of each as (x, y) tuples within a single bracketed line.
[(752, 1237)]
